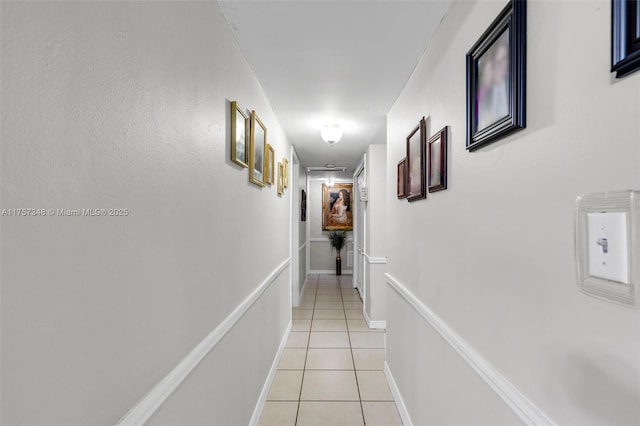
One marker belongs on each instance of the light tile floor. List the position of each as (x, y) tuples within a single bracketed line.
[(331, 372)]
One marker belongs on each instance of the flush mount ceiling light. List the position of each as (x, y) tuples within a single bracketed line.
[(331, 133)]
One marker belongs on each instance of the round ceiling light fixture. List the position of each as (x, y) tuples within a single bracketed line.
[(331, 133)]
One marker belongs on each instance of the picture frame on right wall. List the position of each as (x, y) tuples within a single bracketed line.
[(416, 162), (496, 78), (437, 154), (401, 190), (625, 37)]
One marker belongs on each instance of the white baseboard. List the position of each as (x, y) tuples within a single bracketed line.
[(397, 396), (304, 286), (144, 409), (257, 411), (330, 271), (375, 324), (528, 412)]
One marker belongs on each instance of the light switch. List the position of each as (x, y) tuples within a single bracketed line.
[(608, 253), (608, 246)]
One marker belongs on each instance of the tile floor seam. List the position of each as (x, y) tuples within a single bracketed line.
[(351, 351)]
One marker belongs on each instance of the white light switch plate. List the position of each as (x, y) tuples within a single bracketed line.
[(610, 219), (608, 259)]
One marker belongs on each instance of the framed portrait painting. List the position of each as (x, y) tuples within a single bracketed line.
[(416, 162), (269, 166), (280, 178), (437, 154), (496, 78), (337, 211), (285, 164), (625, 37), (239, 135), (257, 172), (401, 185)]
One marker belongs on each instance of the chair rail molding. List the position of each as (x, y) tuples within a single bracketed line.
[(149, 404), (519, 403)]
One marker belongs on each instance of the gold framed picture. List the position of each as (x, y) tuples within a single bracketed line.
[(280, 178), (337, 211), (285, 164), (269, 166), (257, 152), (239, 135)]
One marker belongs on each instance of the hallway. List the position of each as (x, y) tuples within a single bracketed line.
[(331, 372)]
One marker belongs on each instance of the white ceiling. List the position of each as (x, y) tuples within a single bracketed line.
[(333, 61)]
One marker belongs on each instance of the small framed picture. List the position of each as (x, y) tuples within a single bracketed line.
[(239, 135), (285, 164), (496, 78), (438, 161), (269, 167), (402, 179), (258, 144), (280, 178), (625, 37), (303, 206), (416, 162)]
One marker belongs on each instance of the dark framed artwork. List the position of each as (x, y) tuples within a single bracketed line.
[(437, 154), (625, 37), (239, 135), (401, 184), (337, 212), (303, 206), (416, 162), (257, 172), (496, 78)]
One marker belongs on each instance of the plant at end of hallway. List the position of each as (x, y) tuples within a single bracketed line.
[(337, 240)]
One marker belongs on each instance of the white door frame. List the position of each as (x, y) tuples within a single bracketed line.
[(295, 227), (359, 228)]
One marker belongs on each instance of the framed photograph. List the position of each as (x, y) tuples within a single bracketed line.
[(269, 166), (416, 162), (303, 206), (239, 135), (280, 178), (625, 37), (437, 153), (285, 164), (337, 212), (496, 78), (257, 172), (402, 179)]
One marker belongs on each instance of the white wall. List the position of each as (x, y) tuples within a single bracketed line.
[(126, 105), (302, 232), (493, 256), (321, 257), (376, 235)]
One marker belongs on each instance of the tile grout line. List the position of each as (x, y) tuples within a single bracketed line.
[(306, 354), (355, 371)]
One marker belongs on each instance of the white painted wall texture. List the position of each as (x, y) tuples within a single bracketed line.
[(126, 105), (375, 232), (493, 255)]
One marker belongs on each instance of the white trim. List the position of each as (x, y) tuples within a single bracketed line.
[(302, 246), (144, 408), (519, 403), (330, 271), (325, 240), (371, 260), (304, 285), (397, 396), (257, 411), (325, 179), (375, 324)]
